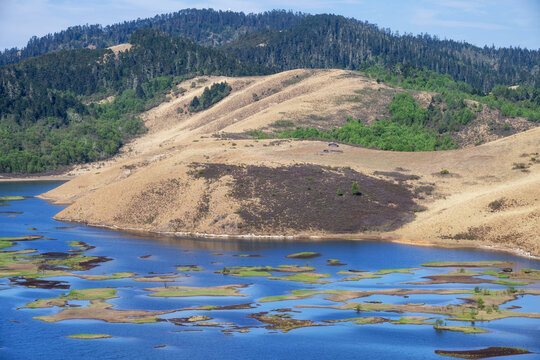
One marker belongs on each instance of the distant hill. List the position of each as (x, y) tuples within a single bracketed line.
[(206, 27), (329, 41), (54, 109), (294, 40)]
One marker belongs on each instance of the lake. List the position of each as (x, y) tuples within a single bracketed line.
[(238, 322)]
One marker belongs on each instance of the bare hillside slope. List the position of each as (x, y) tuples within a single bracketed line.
[(201, 174)]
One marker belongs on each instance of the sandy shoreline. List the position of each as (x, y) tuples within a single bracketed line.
[(382, 237), (61, 177)]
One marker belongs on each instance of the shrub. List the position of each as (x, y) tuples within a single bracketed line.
[(354, 189)]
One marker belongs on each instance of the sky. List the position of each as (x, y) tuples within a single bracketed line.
[(502, 23)]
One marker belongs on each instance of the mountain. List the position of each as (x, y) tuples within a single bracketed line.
[(329, 41), (289, 40), (206, 27)]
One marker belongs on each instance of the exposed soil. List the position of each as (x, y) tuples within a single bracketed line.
[(40, 283), (281, 321), (483, 353)]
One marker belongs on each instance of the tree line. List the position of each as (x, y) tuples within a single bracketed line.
[(49, 116)]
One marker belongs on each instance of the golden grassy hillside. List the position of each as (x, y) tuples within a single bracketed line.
[(200, 174)]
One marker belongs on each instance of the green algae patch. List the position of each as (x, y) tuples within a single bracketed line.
[(166, 278), (483, 353), (248, 271), (463, 329), (396, 271), (80, 245), (303, 255), (186, 268), (21, 238), (187, 291), (5, 244), (11, 198), (308, 278), (412, 320), (358, 275), (89, 336), (82, 294), (118, 275), (479, 264), (334, 262), (522, 274), (100, 310), (510, 283), (361, 320), (299, 294), (149, 320)]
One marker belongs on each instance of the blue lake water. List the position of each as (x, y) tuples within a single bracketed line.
[(22, 337)]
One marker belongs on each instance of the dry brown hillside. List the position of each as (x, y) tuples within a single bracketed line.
[(199, 174)]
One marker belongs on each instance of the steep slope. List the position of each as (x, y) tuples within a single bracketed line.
[(201, 174)]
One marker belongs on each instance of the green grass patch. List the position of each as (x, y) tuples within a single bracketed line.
[(308, 278), (510, 283), (303, 255), (5, 244), (396, 271), (189, 268), (463, 329), (119, 275), (187, 291), (149, 320), (81, 294), (21, 238), (11, 198)]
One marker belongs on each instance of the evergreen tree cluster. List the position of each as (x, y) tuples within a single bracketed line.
[(287, 40), (330, 41), (206, 27), (48, 118), (210, 96)]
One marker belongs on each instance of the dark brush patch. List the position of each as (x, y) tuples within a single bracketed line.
[(305, 198)]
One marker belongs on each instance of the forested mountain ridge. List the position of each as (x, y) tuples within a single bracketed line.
[(293, 40), (206, 27), (44, 121), (49, 116), (330, 41)]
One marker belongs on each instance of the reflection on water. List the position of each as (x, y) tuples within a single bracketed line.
[(234, 332)]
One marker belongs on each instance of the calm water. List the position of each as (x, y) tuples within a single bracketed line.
[(22, 337)]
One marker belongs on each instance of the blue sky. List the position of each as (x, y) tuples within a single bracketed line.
[(480, 22)]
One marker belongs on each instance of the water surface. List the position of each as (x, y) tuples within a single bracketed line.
[(22, 337)]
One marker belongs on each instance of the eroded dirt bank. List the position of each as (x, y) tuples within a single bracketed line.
[(200, 173)]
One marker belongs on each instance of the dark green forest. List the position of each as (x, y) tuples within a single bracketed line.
[(50, 115), (295, 40), (45, 118), (206, 27), (210, 96)]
